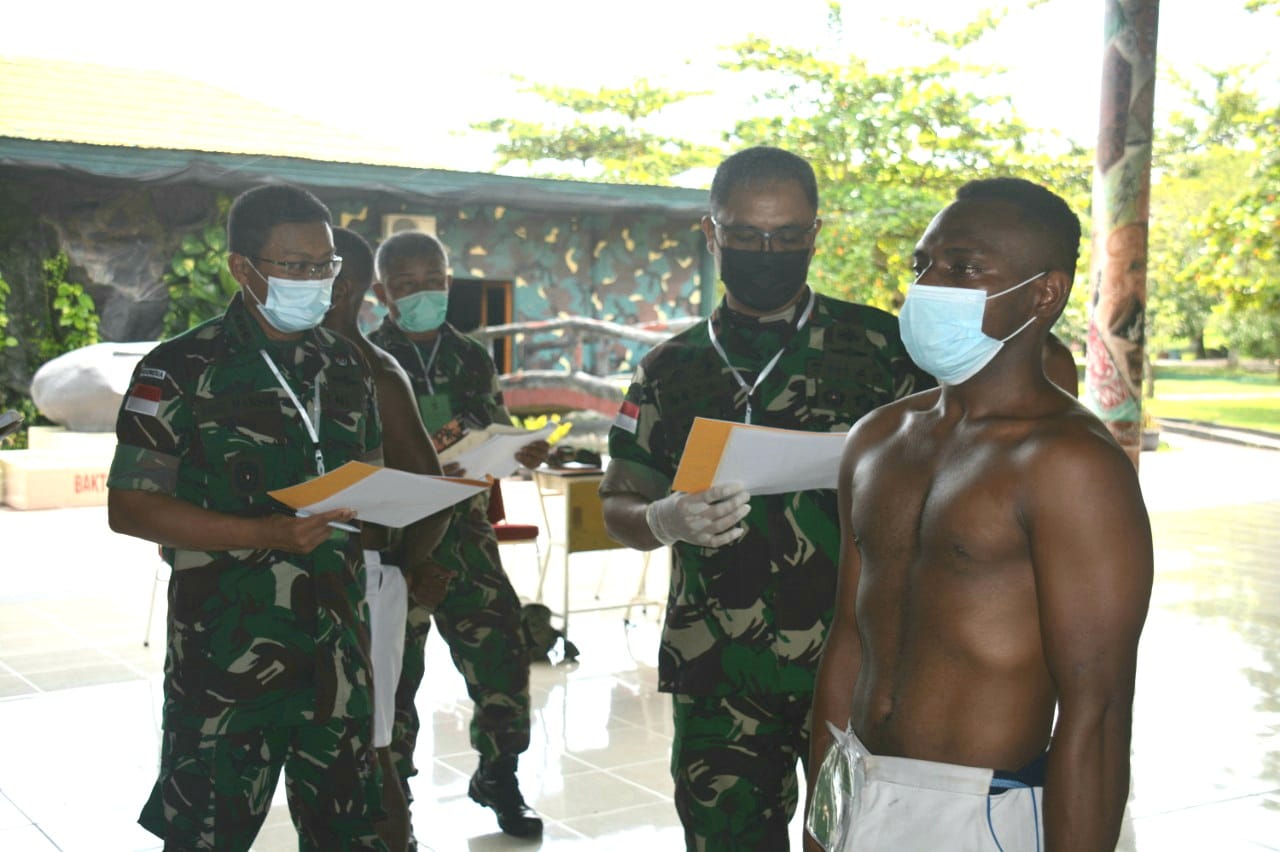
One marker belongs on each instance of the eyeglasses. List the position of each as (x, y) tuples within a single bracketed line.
[(747, 238), (305, 268)]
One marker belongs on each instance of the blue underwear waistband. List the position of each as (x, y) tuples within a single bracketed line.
[(1031, 775)]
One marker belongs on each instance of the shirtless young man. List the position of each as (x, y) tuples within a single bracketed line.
[(996, 563), (407, 447)]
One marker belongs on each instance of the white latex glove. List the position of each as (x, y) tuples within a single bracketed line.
[(705, 518)]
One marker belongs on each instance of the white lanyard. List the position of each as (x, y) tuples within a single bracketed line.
[(426, 365), (768, 368), (313, 427)]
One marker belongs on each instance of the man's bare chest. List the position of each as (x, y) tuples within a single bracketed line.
[(949, 512)]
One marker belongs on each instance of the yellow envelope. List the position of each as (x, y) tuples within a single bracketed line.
[(764, 459), (380, 495)]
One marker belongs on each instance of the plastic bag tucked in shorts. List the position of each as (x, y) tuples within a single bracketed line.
[(838, 783)]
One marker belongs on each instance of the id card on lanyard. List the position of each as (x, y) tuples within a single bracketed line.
[(436, 411), (312, 426), (435, 408), (768, 368)]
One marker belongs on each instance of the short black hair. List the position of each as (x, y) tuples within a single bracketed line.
[(761, 165), (254, 213), (1045, 211), (409, 244), (357, 256)]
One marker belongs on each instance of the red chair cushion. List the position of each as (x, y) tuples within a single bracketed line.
[(515, 532)]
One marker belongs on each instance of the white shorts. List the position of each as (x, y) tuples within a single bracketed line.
[(388, 597), (909, 804)]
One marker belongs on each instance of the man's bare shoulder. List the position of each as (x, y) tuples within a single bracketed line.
[(891, 419), (882, 430), (1074, 449), (1072, 424)]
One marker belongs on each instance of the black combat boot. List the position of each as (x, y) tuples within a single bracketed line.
[(494, 786)]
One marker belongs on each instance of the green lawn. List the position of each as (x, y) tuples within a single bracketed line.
[(1216, 395)]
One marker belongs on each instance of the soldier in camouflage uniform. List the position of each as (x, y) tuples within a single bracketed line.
[(479, 618), (753, 579), (267, 664)]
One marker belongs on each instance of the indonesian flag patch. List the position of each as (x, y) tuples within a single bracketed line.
[(143, 399), (627, 418)]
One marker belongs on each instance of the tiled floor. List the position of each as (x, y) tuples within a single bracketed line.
[(79, 694)]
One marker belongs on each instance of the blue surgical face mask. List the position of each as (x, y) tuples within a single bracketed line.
[(942, 330), (294, 306), (372, 313), (423, 311)]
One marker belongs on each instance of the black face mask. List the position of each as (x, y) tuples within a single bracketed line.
[(763, 280)]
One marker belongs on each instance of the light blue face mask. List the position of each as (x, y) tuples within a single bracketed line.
[(942, 330), (294, 306), (423, 311)]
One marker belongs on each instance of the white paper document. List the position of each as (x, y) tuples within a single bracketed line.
[(495, 454), (765, 460), (393, 498)]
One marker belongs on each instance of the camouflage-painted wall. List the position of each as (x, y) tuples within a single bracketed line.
[(629, 267), (626, 267)]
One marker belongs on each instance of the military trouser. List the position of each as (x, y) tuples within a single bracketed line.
[(479, 620), (733, 760), (214, 791)]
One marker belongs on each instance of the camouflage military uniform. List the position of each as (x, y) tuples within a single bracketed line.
[(267, 662), (479, 619), (745, 623)]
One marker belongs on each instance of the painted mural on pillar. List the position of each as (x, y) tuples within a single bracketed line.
[(1121, 195)]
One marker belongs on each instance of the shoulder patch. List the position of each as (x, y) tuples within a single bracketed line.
[(628, 417), (152, 373)]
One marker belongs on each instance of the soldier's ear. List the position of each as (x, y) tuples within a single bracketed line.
[(709, 231), (240, 269), (387, 302), (817, 228)]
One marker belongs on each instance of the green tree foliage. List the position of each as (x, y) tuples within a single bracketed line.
[(1243, 260), (1178, 302), (1214, 261), (64, 319), (9, 399), (73, 317), (199, 281), (7, 340), (606, 130), (890, 147)]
